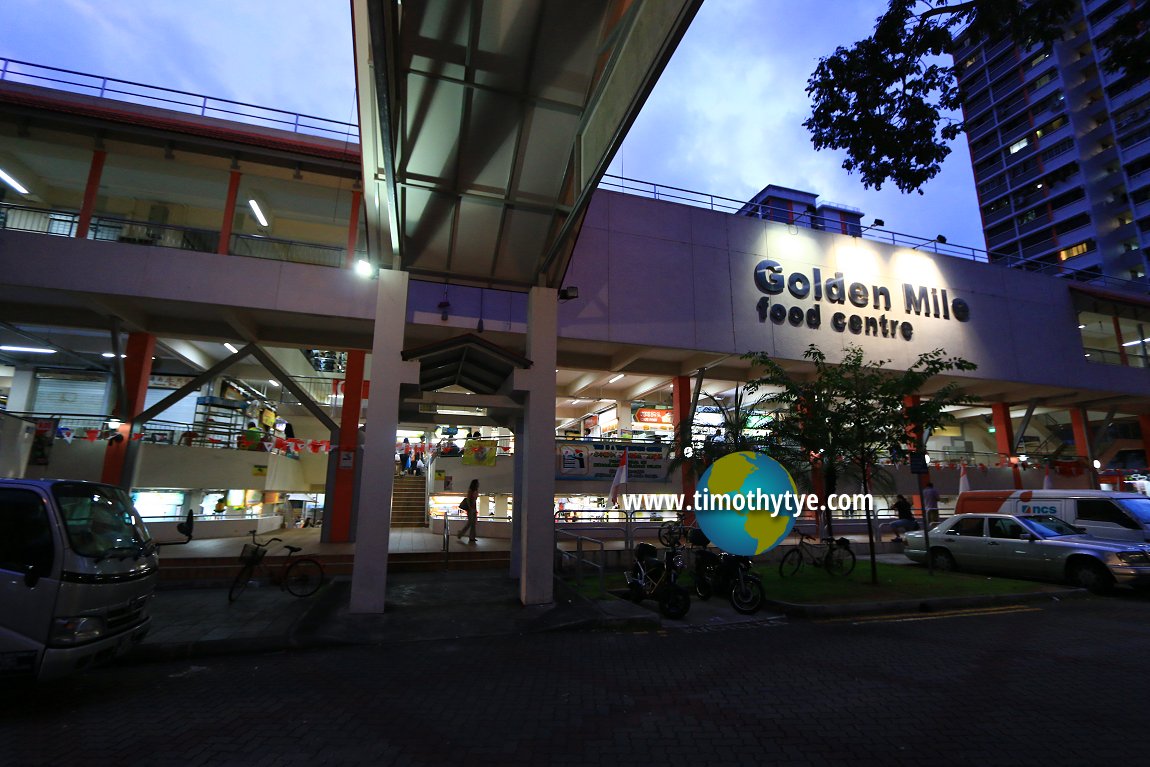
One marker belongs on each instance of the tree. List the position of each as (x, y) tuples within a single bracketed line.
[(889, 100), (854, 413)]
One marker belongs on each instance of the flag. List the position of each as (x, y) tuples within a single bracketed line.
[(963, 481), (619, 480)]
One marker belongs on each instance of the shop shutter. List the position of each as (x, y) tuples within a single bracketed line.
[(183, 412), (73, 394)]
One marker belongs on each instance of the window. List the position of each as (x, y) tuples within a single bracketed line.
[(970, 527), (1018, 146), (27, 539), (1005, 528), (1099, 510), (1073, 250)]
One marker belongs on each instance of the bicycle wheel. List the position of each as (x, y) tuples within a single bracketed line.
[(839, 561), (669, 533), (791, 564), (303, 577), (240, 583)]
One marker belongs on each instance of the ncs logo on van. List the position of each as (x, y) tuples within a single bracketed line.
[(1028, 509)]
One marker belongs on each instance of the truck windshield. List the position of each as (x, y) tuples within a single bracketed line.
[(100, 520), (1139, 508)]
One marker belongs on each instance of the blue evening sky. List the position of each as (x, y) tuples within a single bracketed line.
[(725, 118)]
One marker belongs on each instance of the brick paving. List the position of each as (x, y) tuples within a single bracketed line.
[(1053, 684)]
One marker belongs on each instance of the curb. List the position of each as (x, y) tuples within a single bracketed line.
[(929, 605)]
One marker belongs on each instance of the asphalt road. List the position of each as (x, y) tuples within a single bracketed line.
[(1046, 684)]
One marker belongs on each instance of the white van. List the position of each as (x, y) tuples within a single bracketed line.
[(1105, 514), (77, 570)]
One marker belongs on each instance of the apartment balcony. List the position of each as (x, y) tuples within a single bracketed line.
[(1001, 67), (992, 218), (1063, 212), (1135, 151)]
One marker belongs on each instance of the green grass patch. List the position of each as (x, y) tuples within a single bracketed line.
[(812, 585)]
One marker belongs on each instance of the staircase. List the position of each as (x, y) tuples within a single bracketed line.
[(409, 502)]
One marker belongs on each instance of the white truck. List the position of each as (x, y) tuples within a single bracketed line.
[(77, 571), (1102, 513)]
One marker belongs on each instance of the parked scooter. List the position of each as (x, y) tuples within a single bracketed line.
[(729, 574), (652, 577)]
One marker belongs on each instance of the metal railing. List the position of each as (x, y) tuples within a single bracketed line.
[(580, 560), (63, 223), (14, 71)]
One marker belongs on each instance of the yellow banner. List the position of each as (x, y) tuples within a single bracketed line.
[(479, 452)]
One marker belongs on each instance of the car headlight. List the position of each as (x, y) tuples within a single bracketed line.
[(77, 630), (1139, 558)]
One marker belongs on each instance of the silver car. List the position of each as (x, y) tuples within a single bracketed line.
[(1031, 546)]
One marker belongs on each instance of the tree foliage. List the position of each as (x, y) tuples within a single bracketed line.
[(854, 413), (889, 100)]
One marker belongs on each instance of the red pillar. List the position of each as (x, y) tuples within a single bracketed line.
[(95, 170), (681, 404), (1004, 439), (137, 369), (1080, 422), (344, 488), (1118, 339), (229, 214), (353, 227), (1144, 426), (915, 441)]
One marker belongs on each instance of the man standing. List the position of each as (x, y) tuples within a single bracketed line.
[(930, 502)]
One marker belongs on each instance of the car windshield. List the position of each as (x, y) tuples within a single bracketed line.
[(1139, 508), (1047, 525), (100, 520)]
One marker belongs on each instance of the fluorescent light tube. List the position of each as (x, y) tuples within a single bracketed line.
[(12, 182), (259, 214)]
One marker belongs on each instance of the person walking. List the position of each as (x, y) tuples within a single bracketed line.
[(470, 505), (930, 502)]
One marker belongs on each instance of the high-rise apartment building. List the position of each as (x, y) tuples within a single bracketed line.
[(1061, 149)]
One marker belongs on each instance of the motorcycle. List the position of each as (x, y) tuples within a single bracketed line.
[(652, 577), (729, 574)]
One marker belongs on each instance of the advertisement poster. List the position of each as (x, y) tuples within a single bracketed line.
[(479, 452), (646, 462)]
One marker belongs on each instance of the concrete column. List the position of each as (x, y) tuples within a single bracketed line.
[(338, 529), (520, 502), (91, 190), (681, 407), (388, 371), (1080, 422), (137, 369), (20, 396), (623, 411), (1004, 439), (537, 443)]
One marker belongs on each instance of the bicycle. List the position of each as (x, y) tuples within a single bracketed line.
[(834, 556), (300, 576)]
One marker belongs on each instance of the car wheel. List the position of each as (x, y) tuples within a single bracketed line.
[(942, 560), (1092, 576)]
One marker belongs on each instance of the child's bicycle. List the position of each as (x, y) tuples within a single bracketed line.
[(834, 556), (301, 576)]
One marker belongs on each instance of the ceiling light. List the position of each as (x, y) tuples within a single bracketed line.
[(12, 182), (114, 423), (273, 383), (111, 355), (576, 401), (230, 348), (363, 268), (616, 378), (1081, 327), (1135, 343), (259, 214), (27, 349)]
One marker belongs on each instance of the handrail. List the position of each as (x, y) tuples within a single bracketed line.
[(580, 560), (115, 89)]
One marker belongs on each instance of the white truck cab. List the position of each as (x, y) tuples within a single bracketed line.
[(1103, 513), (77, 571)]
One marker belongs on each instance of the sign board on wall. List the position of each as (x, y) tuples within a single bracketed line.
[(599, 460), (653, 419)]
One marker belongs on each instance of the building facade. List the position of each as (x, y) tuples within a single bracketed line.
[(1061, 149)]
